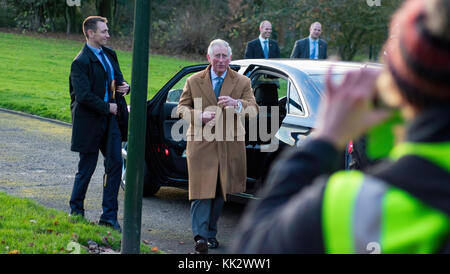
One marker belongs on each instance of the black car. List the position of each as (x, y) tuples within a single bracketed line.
[(291, 88)]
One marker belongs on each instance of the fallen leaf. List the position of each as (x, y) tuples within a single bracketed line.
[(155, 249), (56, 223), (181, 243), (15, 251), (146, 242)]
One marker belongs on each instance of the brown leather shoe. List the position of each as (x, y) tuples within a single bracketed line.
[(201, 246)]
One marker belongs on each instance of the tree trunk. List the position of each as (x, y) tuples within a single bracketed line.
[(105, 8)]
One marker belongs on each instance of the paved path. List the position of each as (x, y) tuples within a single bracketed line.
[(36, 162)]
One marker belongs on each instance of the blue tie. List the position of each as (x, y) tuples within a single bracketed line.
[(313, 52), (108, 71), (218, 85), (266, 50)]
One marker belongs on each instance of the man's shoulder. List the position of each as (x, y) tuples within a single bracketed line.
[(198, 75), (237, 75), (253, 42), (304, 40), (323, 42), (82, 56)]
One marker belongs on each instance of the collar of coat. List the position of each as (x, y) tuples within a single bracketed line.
[(92, 56), (228, 85)]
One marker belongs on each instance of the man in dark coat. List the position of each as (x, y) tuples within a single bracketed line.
[(94, 118), (263, 47), (311, 47)]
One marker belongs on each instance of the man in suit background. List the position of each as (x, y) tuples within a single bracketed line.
[(311, 47), (263, 47), (93, 117), (212, 102)]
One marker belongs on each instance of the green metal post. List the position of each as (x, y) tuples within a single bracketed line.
[(131, 236)]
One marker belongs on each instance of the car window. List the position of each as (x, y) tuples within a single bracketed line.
[(175, 92), (294, 102), (268, 78)]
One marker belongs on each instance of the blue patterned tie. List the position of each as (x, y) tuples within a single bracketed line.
[(108, 71), (266, 50), (218, 86)]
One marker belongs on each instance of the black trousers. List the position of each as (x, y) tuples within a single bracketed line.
[(110, 147)]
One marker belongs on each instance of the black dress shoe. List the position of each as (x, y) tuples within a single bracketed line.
[(201, 246), (213, 243), (111, 223)]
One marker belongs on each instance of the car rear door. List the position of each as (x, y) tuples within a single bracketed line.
[(165, 152)]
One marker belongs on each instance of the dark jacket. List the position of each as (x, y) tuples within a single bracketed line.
[(87, 82), (301, 49), (288, 218), (255, 51)]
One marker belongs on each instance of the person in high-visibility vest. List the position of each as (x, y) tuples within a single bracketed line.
[(400, 205)]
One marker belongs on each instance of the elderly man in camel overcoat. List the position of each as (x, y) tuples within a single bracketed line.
[(213, 102)]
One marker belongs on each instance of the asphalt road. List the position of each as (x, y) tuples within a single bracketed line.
[(36, 162)]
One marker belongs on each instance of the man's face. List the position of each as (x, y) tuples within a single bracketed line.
[(266, 30), (101, 36), (219, 60), (315, 31)]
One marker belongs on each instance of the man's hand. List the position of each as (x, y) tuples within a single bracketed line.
[(347, 112), (113, 108), (123, 88), (227, 101), (207, 116)]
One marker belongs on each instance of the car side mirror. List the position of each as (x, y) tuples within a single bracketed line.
[(174, 96)]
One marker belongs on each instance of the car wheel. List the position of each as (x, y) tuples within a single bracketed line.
[(151, 185)]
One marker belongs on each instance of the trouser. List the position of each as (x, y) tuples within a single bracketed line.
[(110, 146), (205, 213)]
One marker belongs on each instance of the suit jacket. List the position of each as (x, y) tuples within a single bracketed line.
[(206, 146), (255, 51), (87, 89), (301, 49)]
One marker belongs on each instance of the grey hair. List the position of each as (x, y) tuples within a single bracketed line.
[(218, 42)]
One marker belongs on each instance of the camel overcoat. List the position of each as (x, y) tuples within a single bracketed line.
[(220, 144)]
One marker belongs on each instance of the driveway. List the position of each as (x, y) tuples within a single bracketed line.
[(36, 163)]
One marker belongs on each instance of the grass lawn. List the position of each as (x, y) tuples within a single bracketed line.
[(35, 73), (27, 227)]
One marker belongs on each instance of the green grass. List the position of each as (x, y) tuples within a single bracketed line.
[(27, 227), (35, 73)]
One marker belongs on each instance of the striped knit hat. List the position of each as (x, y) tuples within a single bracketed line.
[(417, 52)]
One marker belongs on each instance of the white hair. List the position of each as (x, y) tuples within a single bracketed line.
[(218, 42)]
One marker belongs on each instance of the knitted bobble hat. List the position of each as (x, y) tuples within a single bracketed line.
[(417, 52)]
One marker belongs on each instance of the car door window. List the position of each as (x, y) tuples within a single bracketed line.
[(175, 92), (294, 103), (269, 78)]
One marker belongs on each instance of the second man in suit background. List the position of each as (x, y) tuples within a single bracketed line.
[(311, 47), (263, 47)]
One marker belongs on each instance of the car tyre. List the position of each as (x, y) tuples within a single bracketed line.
[(151, 185)]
